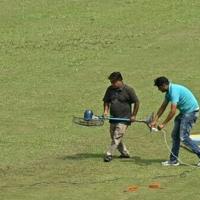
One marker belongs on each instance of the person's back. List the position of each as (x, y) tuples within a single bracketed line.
[(180, 98), (183, 97)]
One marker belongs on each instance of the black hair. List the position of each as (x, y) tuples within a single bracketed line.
[(160, 81), (115, 76)]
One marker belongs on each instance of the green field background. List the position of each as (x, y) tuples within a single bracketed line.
[(55, 57)]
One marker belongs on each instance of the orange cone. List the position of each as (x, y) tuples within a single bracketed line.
[(155, 185)]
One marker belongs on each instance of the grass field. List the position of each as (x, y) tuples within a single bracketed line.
[(55, 57)]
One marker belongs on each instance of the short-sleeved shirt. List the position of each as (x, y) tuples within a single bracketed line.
[(182, 97), (120, 101)]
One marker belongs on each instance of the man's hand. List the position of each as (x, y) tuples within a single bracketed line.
[(160, 127), (133, 118), (153, 124), (105, 114)]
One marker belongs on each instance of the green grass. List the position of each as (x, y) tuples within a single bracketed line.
[(55, 57)]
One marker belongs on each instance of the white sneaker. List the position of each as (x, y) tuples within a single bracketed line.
[(172, 163)]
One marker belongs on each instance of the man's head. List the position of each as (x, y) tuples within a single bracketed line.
[(162, 83), (116, 79)]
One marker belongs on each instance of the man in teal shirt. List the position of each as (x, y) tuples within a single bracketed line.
[(182, 99)]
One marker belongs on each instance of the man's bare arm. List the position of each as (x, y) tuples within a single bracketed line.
[(171, 114), (106, 108), (161, 110), (135, 109)]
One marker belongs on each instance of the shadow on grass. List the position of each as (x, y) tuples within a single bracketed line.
[(142, 162), (82, 156), (136, 159)]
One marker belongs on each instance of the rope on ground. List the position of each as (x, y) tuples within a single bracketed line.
[(165, 139)]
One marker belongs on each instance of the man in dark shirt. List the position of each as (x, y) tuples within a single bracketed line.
[(119, 99)]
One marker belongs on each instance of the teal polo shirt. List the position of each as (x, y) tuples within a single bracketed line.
[(182, 97)]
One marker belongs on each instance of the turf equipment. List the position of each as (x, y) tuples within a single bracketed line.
[(88, 115), (90, 119), (92, 122)]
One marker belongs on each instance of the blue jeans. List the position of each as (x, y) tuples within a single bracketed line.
[(181, 133)]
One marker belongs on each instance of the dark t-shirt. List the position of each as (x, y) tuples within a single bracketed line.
[(120, 101)]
